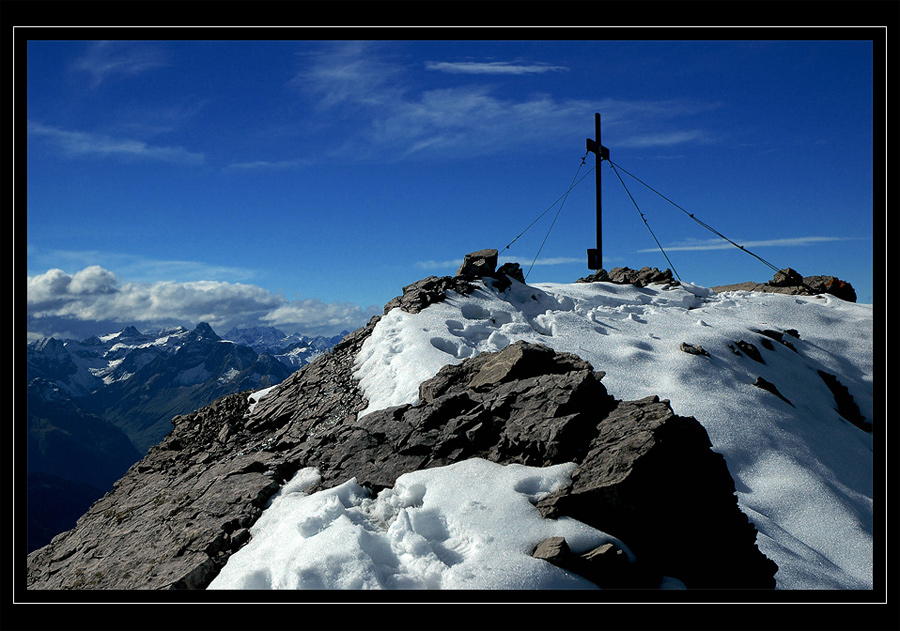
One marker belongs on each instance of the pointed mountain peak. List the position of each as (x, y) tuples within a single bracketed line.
[(204, 331), (129, 332)]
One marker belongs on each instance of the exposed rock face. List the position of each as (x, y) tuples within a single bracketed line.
[(644, 475), (789, 281), (653, 475)]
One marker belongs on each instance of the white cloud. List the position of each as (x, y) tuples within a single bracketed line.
[(720, 244), (106, 60), (314, 315), (79, 143), (59, 301), (492, 67)]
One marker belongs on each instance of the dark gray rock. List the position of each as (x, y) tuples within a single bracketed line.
[(608, 566), (844, 403), (694, 349), (512, 270), (786, 278), (651, 479), (478, 264), (748, 348), (768, 386), (628, 276), (427, 291), (778, 336)]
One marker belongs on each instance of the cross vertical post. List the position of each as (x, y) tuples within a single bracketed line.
[(595, 255)]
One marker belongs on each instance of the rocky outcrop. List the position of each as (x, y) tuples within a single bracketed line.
[(652, 477), (627, 276), (644, 475), (789, 281), (844, 403)]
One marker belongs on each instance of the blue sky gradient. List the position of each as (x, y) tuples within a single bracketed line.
[(302, 183)]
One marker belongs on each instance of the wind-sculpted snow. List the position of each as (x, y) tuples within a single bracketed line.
[(803, 473)]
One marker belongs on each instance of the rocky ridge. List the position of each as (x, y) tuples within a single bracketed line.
[(644, 474)]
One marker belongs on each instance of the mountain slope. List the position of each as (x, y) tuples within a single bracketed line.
[(95, 406), (796, 467), (73, 458)]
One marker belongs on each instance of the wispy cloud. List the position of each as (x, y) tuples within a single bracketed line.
[(79, 143), (399, 118), (107, 60), (492, 67), (719, 244), (260, 165)]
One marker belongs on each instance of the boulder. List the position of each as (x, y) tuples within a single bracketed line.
[(768, 386), (786, 278), (694, 349), (478, 264)]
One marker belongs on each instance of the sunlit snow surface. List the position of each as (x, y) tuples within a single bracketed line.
[(803, 474), (470, 525)]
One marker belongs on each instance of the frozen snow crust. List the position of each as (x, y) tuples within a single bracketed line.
[(803, 474)]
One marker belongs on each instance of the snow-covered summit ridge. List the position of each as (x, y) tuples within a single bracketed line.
[(803, 473), (631, 333)]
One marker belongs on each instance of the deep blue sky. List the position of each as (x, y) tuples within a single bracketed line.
[(297, 183)]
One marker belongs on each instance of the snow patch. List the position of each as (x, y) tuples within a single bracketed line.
[(469, 525)]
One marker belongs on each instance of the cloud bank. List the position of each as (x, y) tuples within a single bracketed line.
[(94, 301)]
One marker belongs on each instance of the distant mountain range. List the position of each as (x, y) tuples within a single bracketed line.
[(293, 349), (95, 406)]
